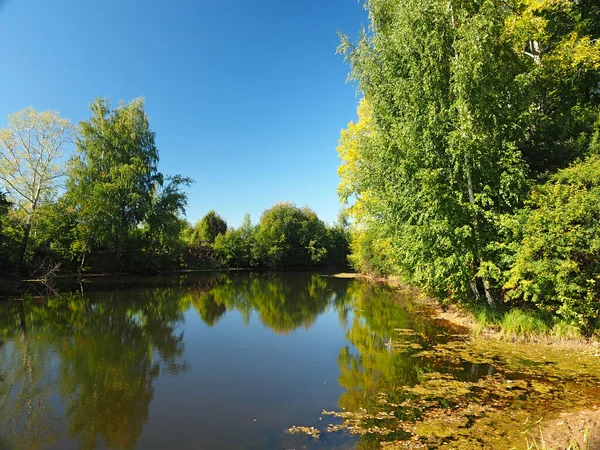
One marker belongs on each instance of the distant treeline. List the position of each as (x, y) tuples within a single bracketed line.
[(285, 237), (473, 170), (107, 208)]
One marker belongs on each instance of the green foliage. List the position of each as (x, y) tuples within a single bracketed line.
[(557, 42), (9, 236), (338, 244), (468, 109), (54, 235), (289, 236), (236, 246), (438, 161), (371, 254), (286, 236), (163, 226), (210, 226), (557, 261), (126, 210), (30, 169)]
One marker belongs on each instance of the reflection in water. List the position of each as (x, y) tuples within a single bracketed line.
[(88, 370), (283, 303), (412, 382), (100, 353)]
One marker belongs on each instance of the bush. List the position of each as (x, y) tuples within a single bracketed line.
[(289, 236), (557, 261)]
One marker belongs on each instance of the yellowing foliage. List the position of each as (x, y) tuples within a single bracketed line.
[(349, 151)]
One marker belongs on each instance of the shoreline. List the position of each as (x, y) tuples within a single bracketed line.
[(460, 316), (576, 428)]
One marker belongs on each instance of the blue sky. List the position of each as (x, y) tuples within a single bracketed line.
[(246, 97)]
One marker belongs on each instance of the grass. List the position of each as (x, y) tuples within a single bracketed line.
[(523, 324), (534, 445)]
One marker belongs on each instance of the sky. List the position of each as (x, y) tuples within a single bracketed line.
[(247, 97)]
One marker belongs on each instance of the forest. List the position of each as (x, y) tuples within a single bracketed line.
[(473, 170), (107, 207)]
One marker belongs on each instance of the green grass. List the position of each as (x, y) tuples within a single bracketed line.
[(521, 323), (533, 444), (525, 324)]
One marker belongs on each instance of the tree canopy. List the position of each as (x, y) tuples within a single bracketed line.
[(121, 201), (30, 151), (466, 108), (210, 226)]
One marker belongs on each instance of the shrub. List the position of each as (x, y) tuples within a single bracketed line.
[(557, 261)]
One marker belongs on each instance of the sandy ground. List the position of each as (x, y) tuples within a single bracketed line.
[(580, 428)]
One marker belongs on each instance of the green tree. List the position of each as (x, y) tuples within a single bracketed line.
[(556, 264), (4, 239), (30, 151), (163, 225), (436, 161), (289, 236), (557, 42), (235, 247), (55, 233), (210, 226), (125, 207)]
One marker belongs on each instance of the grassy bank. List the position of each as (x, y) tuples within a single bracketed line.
[(510, 324), (523, 324)]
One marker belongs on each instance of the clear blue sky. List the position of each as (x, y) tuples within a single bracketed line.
[(246, 97)]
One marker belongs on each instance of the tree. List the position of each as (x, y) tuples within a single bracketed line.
[(289, 236), (210, 226), (120, 198), (556, 262), (557, 42), (30, 151), (163, 226), (4, 208), (235, 248), (437, 162)]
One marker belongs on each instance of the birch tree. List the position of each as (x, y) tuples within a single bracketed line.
[(31, 148), (439, 163)]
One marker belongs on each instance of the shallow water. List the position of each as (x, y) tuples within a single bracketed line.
[(234, 361)]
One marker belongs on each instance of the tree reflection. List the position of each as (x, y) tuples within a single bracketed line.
[(385, 332), (83, 366), (102, 352), (25, 416), (283, 302)]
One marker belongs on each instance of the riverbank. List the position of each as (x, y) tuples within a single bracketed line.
[(514, 325), (550, 383)]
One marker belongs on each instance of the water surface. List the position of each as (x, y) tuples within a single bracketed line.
[(233, 361)]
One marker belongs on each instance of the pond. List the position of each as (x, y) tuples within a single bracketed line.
[(264, 361)]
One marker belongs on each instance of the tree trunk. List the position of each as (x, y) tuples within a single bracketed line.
[(23, 323), (25, 240), (478, 260)]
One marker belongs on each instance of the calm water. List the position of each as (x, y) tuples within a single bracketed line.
[(211, 362)]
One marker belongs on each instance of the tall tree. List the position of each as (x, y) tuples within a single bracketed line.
[(30, 167), (557, 42), (439, 162), (114, 184)]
